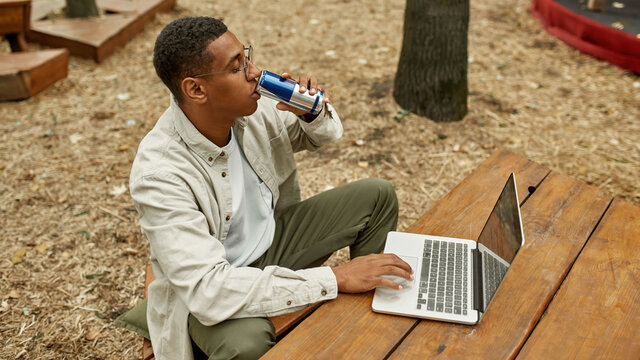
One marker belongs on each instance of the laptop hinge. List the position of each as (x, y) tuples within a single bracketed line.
[(477, 280)]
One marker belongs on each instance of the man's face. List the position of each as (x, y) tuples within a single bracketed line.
[(231, 94)]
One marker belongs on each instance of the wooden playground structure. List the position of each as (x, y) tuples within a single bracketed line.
[(25, 73)]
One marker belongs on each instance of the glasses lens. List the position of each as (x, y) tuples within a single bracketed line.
[(247, 58)]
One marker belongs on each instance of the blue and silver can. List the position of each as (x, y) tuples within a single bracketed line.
[(288, 91)]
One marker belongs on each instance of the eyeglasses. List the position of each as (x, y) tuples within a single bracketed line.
[(247, 57)]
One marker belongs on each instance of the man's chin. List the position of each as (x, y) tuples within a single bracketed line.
[(252, 109)]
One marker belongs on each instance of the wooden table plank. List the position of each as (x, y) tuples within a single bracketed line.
[(596, 312), (348, 327), (557, 219)]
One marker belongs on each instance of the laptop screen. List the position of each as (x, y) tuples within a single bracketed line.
[(502, 233)]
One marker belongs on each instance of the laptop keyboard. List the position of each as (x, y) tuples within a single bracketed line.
[(494, 272), (443, 280)]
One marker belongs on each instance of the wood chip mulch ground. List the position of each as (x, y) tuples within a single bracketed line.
[(72, 257)]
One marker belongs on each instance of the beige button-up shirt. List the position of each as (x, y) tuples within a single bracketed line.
[(180, 187)]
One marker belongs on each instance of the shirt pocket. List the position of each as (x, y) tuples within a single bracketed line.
[(282, 156)]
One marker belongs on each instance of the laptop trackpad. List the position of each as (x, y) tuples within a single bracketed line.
[(406, 284)]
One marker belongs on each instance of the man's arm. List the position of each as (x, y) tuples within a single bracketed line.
[(193, 261)]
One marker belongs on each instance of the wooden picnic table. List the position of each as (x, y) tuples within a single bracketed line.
[(573, 291)]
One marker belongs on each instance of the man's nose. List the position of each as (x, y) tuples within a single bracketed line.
[(253, 72)]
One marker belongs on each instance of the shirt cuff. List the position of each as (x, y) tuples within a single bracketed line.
[(325, 115), (326, 285)]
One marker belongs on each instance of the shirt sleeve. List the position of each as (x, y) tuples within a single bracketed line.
[(193, 260), (325, 128)]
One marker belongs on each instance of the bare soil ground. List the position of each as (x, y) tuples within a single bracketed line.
[(65, 154)]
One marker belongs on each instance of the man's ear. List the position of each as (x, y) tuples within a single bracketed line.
[(193, 90)]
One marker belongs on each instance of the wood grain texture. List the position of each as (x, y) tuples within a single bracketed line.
[(14, 17), (596, 312), (95, 38), (25, 74), (558, 219), (347, 327)]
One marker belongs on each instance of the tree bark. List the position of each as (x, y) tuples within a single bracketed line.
[(81, 8), (431, 79)]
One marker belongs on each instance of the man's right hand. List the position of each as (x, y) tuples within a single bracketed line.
[(365, 273)]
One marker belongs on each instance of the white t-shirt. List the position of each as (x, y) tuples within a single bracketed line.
[(252, 222)]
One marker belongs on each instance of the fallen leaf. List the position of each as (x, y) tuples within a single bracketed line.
[(130, 251), (19, 256), (92, 334), (4, 306), (124, 147), (42, 247), (35, 188), (123, 96), (363, 164), (27, 311), (13, 294), (97, 275), (74, 138), (118, 190)]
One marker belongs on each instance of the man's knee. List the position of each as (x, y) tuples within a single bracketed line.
[(384, 191), (256, 341), (247, 338)]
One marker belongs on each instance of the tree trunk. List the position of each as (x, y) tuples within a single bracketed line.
[(431, 79), (81, 8)]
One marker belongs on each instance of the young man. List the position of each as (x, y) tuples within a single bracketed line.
[(216, 188)]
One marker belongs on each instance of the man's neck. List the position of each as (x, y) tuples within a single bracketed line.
[(214, 127)]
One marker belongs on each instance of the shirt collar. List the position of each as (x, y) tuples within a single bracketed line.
[(197, 142)]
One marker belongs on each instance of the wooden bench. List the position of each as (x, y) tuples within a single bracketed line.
[(22, 73), (281, 323), (572, 291)]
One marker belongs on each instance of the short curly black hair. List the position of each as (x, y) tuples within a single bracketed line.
[(181, 49)]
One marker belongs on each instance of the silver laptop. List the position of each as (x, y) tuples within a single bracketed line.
[(455, 279)]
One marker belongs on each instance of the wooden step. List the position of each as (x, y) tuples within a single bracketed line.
[(24, 74), (98, 37)]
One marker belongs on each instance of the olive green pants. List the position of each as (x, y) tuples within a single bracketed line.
[(358, 215)]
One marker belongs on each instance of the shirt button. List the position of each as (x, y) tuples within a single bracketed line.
[(228, 218), (224, 174), (324, 293), (210, 158), (289, 302), (222, 154)]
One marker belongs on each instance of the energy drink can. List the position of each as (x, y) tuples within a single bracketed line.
[(288, 91)]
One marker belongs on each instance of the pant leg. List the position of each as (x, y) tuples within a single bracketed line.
[(239, 339), (358, 215)]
